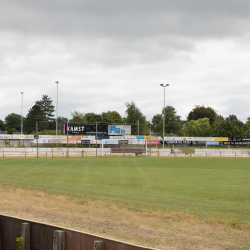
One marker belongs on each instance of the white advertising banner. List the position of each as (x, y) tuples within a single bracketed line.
[(116, 137), (119, 129), (96, 142), (6, 136), (45, 137), (59, 137), (136, 142), (88, 137), (130, 137), (109, 141)]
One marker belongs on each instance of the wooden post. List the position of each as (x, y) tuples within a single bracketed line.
[(3, 154), (59, 240), (26, 235), (52, 152), (25, 154), (98, 245), (46, 154)]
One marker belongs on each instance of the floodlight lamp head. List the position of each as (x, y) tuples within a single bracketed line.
[(21, 92), (161, 84), (57, 82)]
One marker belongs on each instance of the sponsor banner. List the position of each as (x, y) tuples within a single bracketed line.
[(140, 137), (119, 129), (236, 142), (221, 138), (178, 142), (156, 138), (148, 138), (73, 138), (154, 142), (234, 139), (78, 141), (54, 141), (96, 142), (109, 141), (30, 136), (203, 139), (167, 138), (6, 136), (86, 129), (116, 137), (136, 142), (85, 141), (210, 143), (19, 137), (87, 137), (123, 142), (45, 137), (245, 139), (59, 137), (130, 137), (103, 137)]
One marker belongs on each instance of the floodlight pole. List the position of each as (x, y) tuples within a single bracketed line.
[(22, 115), (164, 86), (57, 106)]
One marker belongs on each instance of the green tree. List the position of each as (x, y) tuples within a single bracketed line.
[(13, 122), (2, 125), (35, 114), (232, 118), (247, 128), (198, 128), (48, 110), (92, 118), (172, 121), (134, 115), (199, 112), (41, 112), (77, 117), (111, 117)]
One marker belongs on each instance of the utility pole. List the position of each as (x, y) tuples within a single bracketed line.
[(56, 106), (164, 86), (22, 114)]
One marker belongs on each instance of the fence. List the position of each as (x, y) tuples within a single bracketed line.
[(39, 236), (125, 152)]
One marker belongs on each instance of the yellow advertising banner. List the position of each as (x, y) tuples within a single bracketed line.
[(148, 138), (221, 138)]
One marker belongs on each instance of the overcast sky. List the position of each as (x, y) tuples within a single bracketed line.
[(105, 53)]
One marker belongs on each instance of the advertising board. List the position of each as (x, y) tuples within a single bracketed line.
[(6, 136), (88, 137), (76, 129), (109, 141), (221, 138), (154, 142), (116, 137), (136, 142), (212, 143), (119, 129), (45, 137)]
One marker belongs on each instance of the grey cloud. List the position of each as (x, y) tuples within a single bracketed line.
[(121, 19)]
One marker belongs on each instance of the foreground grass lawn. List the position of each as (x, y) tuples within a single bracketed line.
[(214, 188)]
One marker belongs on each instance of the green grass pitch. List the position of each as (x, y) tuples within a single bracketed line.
[(218, 188)]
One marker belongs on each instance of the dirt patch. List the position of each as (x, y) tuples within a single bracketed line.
[(152, 229)]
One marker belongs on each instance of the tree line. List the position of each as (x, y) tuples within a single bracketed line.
[(201, 121)]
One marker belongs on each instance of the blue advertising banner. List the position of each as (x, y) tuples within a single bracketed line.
[(212, 143)]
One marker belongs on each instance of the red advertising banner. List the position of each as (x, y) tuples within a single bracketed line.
[(154, 142)]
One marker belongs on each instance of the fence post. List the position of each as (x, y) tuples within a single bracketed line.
[(59, 240), (98, 245), (26, 235), (3, 154)]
